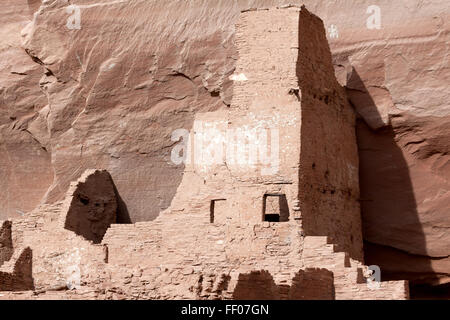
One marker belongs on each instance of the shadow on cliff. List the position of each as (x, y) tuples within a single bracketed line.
[(123, 216), (388, 205)]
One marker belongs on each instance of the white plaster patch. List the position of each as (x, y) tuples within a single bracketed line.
[(238, 77)]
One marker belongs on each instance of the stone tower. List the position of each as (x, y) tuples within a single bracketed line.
[(287, 144)]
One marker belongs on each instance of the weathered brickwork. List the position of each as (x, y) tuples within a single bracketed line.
[(93, 207), (238, 227), (6, 248), (329, 185)]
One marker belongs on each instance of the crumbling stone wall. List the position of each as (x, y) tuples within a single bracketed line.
[(61, 258), (264, 114), (169, 253), (308, 284), (284, 81), (94, 206), (312, 284)]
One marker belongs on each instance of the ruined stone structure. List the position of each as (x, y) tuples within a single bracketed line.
[(251, 219)]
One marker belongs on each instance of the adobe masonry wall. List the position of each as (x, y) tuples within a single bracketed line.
[(350, 276), (329, 184), (93, 207), (6, 247), (261, 105)]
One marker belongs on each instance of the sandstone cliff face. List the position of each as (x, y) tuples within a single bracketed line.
[(111, 93)]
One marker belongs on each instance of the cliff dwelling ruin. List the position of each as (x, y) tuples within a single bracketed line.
[(244, 229)]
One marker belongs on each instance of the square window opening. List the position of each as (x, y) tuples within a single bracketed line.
[(275, 208)]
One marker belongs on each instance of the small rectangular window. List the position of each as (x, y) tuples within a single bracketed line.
[(275, 208)]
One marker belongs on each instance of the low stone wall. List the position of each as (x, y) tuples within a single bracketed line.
[(6, 248)]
